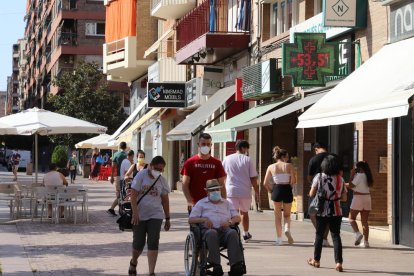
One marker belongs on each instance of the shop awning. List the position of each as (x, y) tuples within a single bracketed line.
[(130, 118), (157, 43), (379, 89), (126, 136), (184, 130), (267, 119), (225, 132)]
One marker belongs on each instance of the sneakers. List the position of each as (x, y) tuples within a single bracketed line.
[(365, 244), (111, 212), (247, 237), (325, 243), (279, 241), (289, 236), (358, 238)]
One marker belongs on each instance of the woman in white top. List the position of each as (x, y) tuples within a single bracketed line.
[(361, 181), (279, 180)]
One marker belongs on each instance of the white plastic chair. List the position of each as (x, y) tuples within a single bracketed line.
[(69, 198)]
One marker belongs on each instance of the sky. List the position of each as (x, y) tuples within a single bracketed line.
[(12, 26)]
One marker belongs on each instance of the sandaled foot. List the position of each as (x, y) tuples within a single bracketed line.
[(132, 270), (339, 267), (314, 263)]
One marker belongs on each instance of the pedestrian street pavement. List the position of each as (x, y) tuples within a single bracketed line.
[(99, 248)]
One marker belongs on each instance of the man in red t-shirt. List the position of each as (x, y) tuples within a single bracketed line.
[(200, 168)]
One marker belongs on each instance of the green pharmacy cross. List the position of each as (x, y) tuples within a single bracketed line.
[(310, 59)]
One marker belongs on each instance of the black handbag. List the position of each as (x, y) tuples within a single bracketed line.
[(318, 202), (124, 222)]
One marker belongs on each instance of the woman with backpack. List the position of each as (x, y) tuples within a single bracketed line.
[(331, 190)]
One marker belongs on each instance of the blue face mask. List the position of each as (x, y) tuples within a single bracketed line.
[(215, 196)]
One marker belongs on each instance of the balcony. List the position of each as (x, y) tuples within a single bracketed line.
[(205, 38), (69, 39), (166, 69), (171, 9), (66, 5), (120, 60)]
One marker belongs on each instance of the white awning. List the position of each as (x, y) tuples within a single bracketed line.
[(267, 119), (131, 118), (157, 43), (200, 115), (379, 89)]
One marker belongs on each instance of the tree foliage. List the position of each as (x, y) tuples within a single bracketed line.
[(83, 95), (60, 156)]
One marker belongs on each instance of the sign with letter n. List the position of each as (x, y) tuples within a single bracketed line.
[(310, 59)]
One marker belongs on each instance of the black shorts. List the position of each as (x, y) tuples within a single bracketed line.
[(282, 193)]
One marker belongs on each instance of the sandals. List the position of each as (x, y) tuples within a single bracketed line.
[(132, 268), (339, 267), (314, 263)]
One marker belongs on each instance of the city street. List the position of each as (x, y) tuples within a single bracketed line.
[(99, 248)]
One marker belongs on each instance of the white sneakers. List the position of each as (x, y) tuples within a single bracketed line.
[(279, 241), (289, 236), (358, 238), (365, 244)]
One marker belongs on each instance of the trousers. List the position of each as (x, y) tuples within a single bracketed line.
[(228, 238)]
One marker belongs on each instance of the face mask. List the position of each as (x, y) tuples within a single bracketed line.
[(141, 161), (204, 150), (215, 196), (155, 173)]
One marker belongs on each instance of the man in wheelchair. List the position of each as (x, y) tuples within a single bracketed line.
[(217, 217)]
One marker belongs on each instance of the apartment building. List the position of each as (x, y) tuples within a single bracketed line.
[(12, 105), (59, 34), (3, 102)]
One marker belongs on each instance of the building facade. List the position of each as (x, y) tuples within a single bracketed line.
[(3, 103), (59, 34)]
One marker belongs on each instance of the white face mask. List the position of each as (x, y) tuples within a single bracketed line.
[(204, 150), (155, 173), (215, 196)]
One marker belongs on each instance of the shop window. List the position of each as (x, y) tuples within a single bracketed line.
[(281, 15), (95, 29)]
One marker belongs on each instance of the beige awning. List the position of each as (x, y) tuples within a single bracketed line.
[(157, 43), (126, 136)]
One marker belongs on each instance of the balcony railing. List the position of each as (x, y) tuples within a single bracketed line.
[(212, 18), (67, 39)]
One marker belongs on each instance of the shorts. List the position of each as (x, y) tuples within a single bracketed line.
[(117, 181), (149, 229), (282, 193), (361, 202), (240, 203)]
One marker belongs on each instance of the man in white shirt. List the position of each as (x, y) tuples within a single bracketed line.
[(241, 177), (126, 164), (216, 215)]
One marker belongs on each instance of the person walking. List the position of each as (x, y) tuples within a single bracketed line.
[(314, 167), (147, 216), (72, 165), (330, 183), (117, 159), (360, 182), (241, 177), (200, 168), (15, 162), (135, 168), (279, 179)]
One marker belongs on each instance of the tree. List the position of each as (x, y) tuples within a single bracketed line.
[(60, 156), (83, 95)]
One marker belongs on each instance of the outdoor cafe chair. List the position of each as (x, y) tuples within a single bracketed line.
[(7, 195), (69, 198), (43, 196)]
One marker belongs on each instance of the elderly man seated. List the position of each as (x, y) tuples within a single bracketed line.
[(54, 179), (216, 215)]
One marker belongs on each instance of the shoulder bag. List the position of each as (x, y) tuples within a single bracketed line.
[(124, 221)]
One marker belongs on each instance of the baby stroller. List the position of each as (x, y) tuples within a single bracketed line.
[(125, 197)]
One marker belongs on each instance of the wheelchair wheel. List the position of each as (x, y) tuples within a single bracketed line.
[(190, 255)]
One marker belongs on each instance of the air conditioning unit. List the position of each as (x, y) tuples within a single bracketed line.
[(193, 89)]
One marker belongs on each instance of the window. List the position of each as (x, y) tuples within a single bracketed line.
[(95, 29), (317, 7), (283, 16)]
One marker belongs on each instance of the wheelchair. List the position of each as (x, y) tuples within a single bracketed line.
[(195, 253)]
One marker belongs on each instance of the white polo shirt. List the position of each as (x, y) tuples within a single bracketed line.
[(217, 213)]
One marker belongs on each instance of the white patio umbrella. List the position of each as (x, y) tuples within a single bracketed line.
[(100, 141), (7, 130), (39, 121)]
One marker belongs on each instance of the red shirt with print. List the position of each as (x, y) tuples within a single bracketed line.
[(200, 171)]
